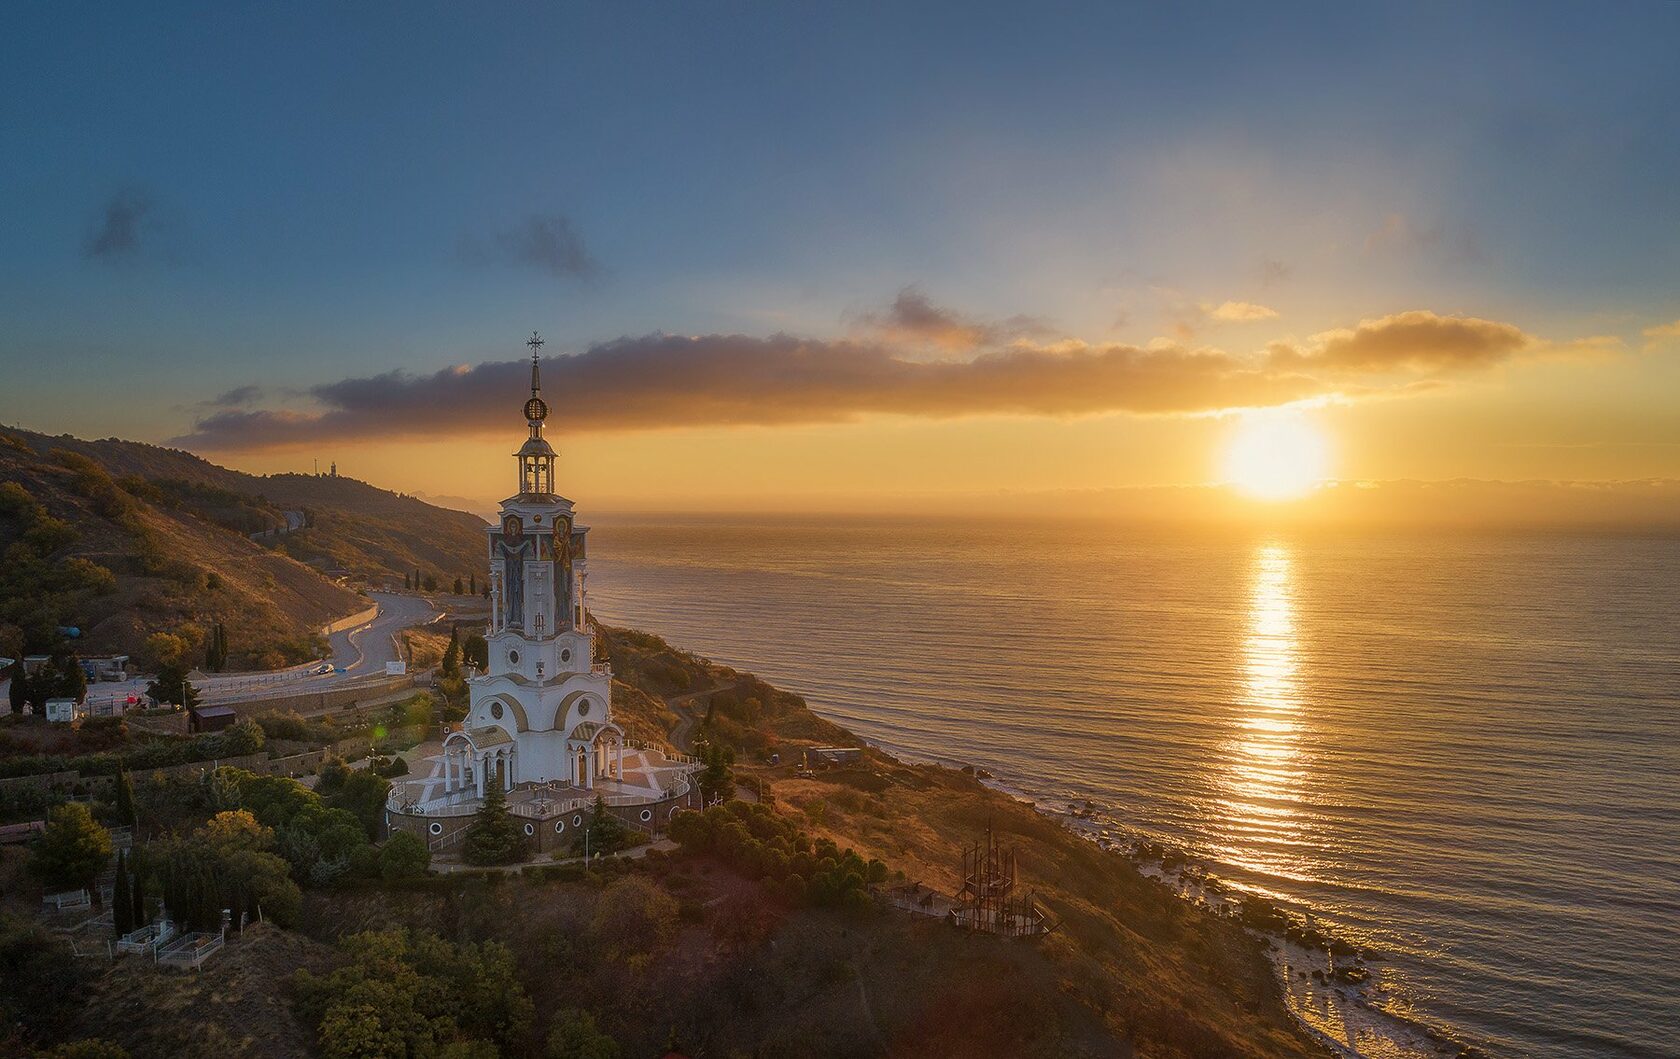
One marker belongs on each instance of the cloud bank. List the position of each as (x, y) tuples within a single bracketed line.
[(115, 232), (665, 381), (547, 243)]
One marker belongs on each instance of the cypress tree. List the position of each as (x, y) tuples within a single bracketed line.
[(122, 901), (139, 891), (125, 800), (494, 836), (18, 691), (472, 584), (452, 654)]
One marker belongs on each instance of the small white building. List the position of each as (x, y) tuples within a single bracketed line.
[(64, 711)]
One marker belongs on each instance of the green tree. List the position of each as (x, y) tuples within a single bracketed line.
[(401, 994), (605, 833), (408, 583), (246, 737), (430, 583), (141, 912), (66, 679), (122, 900), (72, 850), (17, 692), (124, 809), (169, 686), (459, 586), (216, 654), (475, 652), (472, 584), (494, 836), (41, 985), (575, 1036), (363, 793), (404, 856), (451, 665), (222, 865), (717, 776)]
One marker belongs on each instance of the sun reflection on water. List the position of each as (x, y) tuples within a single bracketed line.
[(1261, 790)]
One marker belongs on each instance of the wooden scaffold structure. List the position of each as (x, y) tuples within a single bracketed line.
[(988, 901)]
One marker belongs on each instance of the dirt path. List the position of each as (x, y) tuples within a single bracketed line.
[(687, 718), (664, 845)]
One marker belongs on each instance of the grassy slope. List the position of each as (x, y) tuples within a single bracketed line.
[(163, 559), (1143, 962), (195, 520), (370, 531)]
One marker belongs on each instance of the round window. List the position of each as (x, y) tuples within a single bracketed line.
[(436, 828), (647, 814), (583, 708), (496, 710), (559, 826), (566, 654), (530, 829), (577, 821), (513, 657)]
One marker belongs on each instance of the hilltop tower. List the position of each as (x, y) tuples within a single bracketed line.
[(542, 710)]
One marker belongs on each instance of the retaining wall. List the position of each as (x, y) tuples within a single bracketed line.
[(361, 617)]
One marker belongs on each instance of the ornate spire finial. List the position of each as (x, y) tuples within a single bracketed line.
[(536, 343)]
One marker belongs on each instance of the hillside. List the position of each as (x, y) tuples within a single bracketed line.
[(123, 540), (370, 532)]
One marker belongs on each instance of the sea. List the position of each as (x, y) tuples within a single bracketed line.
[(1460, 748)]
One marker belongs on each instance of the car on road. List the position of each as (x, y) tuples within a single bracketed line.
[(323, 669)]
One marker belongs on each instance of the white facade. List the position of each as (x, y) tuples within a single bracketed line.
[(542, 711)]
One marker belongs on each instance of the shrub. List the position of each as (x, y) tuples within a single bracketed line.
[(633, 920), (73, 849), (40, 982), (760, 844), (575, 1037), (405, 994), (404, 856)]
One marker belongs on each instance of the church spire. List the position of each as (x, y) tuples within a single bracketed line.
[(536, 457)]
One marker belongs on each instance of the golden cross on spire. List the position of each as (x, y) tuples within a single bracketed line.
[(536, 343)]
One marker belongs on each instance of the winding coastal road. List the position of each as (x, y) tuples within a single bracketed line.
[(364, 650), (361, 652)]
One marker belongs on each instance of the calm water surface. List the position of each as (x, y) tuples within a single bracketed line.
[(1465, 748)]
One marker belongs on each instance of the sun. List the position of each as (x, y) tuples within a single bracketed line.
[(1276, 455)]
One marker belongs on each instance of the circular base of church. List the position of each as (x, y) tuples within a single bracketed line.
[(549, 826)]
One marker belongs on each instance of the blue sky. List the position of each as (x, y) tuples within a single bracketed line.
[(305, 193)]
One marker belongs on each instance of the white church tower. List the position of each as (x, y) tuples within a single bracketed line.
[(542, 711)]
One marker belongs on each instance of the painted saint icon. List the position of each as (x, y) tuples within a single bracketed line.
[(513, 549)]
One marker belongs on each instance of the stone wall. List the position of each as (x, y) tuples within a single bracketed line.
[(553, 835), (361, 617), (311, 703)]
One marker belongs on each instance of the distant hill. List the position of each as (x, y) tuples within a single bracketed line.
[(123, 539)]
